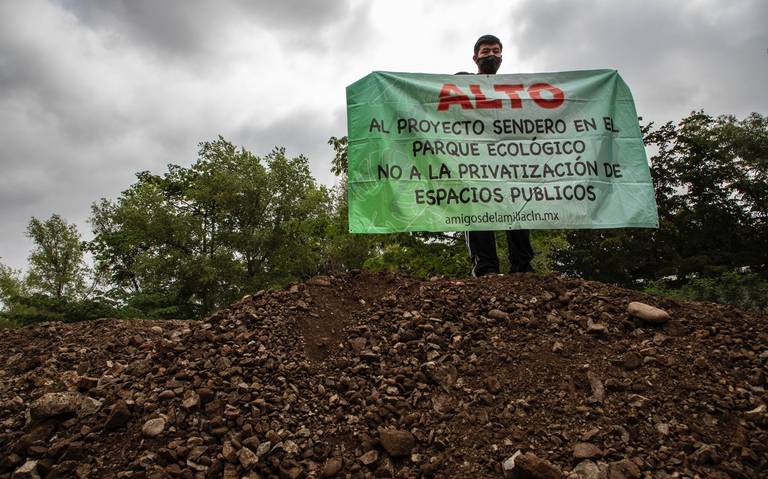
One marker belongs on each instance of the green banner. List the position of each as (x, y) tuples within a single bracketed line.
[(493, 152)]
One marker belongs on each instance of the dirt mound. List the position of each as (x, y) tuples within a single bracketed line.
[(369, 375)]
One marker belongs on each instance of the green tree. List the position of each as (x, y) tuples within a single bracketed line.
[(186, 242), (56, 266), (711, 191)]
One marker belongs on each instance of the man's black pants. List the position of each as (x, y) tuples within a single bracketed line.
[(482, 251)]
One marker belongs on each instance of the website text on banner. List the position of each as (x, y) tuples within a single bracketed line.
[(494, 152)]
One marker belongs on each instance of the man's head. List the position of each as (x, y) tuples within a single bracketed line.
[(487, 55)]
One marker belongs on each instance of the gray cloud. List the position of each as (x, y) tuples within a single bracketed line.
[(191, 27), (303, 132), (676, 56), (93, 91)]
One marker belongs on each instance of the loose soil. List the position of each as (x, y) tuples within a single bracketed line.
[(381, 375)]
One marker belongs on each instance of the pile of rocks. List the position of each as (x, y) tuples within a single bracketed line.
[(379, 375)]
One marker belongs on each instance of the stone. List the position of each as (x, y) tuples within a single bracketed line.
[(529, 466), (228, 452), (397, 443), (508, 466), (230, 472), (586, 450), (331, 467), (56, 404), (357, 344), (498, 314), (557, 347), (167, 394), (292, 472), (206, 395), (596, 328), (632, 361), (86, 383), (264, 448), (247, 458), (647, 313), (493, 384), (252, 443), (28, 470), (598, 390), (320, 281), (624, 469), (369, 457), (191, 400), (118, 417), (153, 427), (586, 470)]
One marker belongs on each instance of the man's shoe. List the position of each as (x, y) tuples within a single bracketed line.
[(521, 268)]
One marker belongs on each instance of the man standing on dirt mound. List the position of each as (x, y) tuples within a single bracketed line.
[(482, 244)]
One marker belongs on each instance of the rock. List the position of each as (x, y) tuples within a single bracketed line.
[(320, 281), (153, 427), (357, 344), (598, 391), (331, 467), (508, 466), (632, 361), (206, 395), (647, 313), (228, 452), (230, 472), (165, 395), (263, 448), (557, 347), (396, 442), (624, 469), (596, 328), (528, 466), (498, 314), (292, 472), (252, 443), (290, 448), (118, 416), (586, 470), (585, 450), (58, 404), (247, 458), (493, 384), (706, 455), (675, 328), (369, 457), (86, 383), (191, 400), (28, 470), (756, 411)]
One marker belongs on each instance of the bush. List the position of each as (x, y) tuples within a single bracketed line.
[(745, 290), (24, 310)]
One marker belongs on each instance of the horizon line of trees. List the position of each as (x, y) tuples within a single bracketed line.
[(186, 242)]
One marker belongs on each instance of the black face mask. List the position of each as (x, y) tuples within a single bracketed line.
[(489, 65)]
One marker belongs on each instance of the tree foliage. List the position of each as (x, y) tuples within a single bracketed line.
[(184, 243), (711, 190), (56, 266)]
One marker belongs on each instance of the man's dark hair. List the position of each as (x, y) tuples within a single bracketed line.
[(487, 40)]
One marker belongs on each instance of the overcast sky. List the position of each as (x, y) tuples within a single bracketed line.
[(93, 91)]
